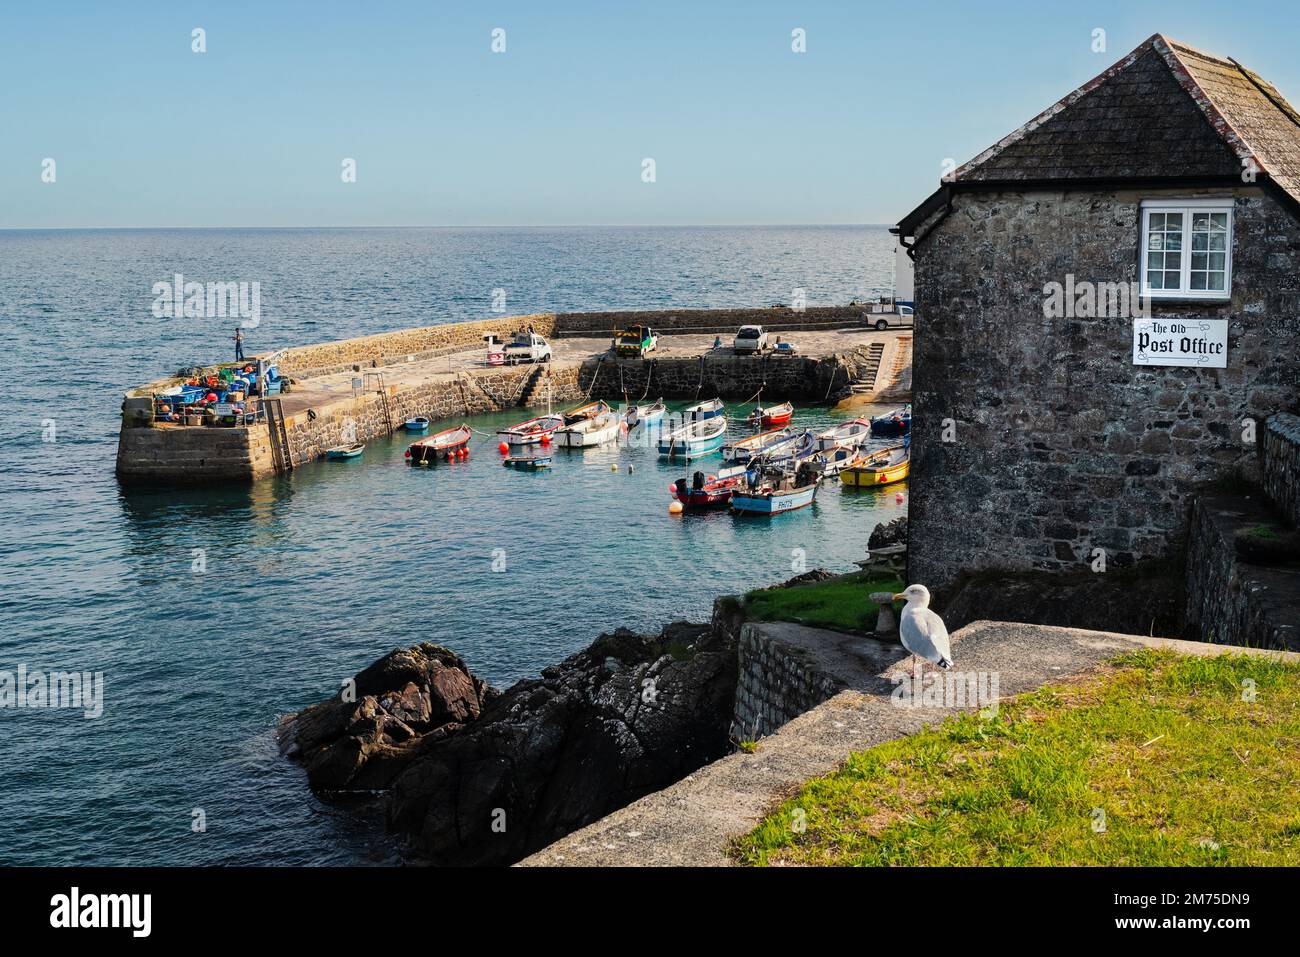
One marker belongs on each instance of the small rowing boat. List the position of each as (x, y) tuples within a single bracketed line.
[(836, 459), (601, 428), (708, 491), (700, 438), (852, 433), (772, 415), (879, 468), (641, 413), (893, 424), (417, 423), (533, 431), (445, 445), (340, 452), (742, 449), (792, 448), (703, 410), (527, 463)]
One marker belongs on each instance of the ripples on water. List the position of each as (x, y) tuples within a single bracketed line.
[(311, 577)]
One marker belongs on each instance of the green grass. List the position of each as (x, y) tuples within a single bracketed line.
[(1164, 750), (841, 602)]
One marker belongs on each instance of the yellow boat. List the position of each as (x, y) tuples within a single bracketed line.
[(878, 468)]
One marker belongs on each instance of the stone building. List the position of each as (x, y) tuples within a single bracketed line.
[(1161, 199)]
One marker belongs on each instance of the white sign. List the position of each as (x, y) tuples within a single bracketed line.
[(1181, 342), (223, 408)]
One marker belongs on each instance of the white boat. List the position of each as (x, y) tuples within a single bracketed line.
[(852, 433), (643, 413), (742, 449), (708, 409), (532, 431), (695, 440), (837, 458), (586, 433)]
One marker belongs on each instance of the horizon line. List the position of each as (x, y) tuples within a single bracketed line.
[(463, 226)]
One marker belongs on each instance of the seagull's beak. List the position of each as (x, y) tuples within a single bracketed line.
[(899, 596)]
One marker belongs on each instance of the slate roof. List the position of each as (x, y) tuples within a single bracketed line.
[(1167, 111)]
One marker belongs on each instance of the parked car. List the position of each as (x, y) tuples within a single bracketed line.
[(901, 319), (527, 347), (750, 339), (635, 341)]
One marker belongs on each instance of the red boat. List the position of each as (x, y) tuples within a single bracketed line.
[(772, 415), (712, 491), (445, 445)]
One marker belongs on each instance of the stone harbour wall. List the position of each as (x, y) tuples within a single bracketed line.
[(1279, 455), (777, 683), (176, 455), (1060, 445), (779, 319), (738, 378)]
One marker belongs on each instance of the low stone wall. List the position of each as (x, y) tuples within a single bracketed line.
[(1230, 601), (387, 347), (709, 320), (1279, 454), (176, 455), (777, 683)]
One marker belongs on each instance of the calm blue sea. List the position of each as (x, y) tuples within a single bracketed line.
[(312, 577)]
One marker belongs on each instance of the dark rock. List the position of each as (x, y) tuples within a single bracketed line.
[(476, 776), (889, 533)]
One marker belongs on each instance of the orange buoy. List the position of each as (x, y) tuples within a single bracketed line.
[(546, 440), (504, 447), (675, 508)]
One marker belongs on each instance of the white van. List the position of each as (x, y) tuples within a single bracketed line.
[(750, 339)]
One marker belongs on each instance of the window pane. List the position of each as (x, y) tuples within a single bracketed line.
[(1217, 261), (1216, 281), (1157, 221), (1174, 261), (1220, 221), (1218, 240), (1199, 241), (1155, 280), (1198, 280), (1200, 221), (1199, 261)]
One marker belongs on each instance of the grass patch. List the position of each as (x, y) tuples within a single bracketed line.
[(1165, 751), (841, 602)]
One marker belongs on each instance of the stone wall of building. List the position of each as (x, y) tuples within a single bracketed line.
[(1060, 445), (777, 683), (1230, 601), (1279, 457)]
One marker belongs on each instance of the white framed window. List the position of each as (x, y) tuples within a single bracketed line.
[(1187, 248)]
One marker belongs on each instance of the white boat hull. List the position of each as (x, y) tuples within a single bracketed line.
[(587, 434)]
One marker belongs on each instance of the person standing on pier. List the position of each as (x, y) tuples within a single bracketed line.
[(239, 344)]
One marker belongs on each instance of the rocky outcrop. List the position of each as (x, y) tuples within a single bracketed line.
[(889, 533), (475, 776)]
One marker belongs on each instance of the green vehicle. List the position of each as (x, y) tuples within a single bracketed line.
[(635, 341)]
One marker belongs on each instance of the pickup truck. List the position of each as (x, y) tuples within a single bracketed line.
[(527, 347), (635, 341), (750, 339)]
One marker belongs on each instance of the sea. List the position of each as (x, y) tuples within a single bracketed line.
[(210, 613)]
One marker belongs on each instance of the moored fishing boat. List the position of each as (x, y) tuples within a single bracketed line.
[(836, 459), (742, 449), (340, 452), (642, 413), (708, 491), (792, 448), (879, 468), (846, 433), (597, 430), (772, 415), (417, 423), (533, 431), (446, 445), (892, 424), (770, 491), (708, 409), (700, 438), (527, 463)]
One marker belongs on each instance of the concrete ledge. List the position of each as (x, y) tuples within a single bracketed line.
[(692, 822)]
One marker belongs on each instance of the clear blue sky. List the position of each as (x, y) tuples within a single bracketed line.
[(252, 133)]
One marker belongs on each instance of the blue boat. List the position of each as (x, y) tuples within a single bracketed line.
[(695, 440), (417, 423), (891, 425), (709, 409), (792, 448), (345, 452), (771, 490)]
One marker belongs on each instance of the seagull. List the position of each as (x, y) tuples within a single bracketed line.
[(923, 632)]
